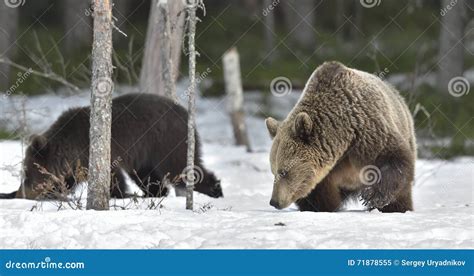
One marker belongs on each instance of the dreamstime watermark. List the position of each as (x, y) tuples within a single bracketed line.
[(382, 74), (270, 7), (458, 86), (21, 77), (89, 11), (446, 9), (282, 173), (14, 3), (200, 78), (45, 264), (116, 162), (370, 175), (370, 3), (281, 86), (192, 175), (104, 86)]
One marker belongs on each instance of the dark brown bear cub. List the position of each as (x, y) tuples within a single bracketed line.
[(148, 143)]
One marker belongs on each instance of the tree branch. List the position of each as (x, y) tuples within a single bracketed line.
[(49, 75)]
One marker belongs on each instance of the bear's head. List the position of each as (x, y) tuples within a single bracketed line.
[(209, 185), (294, 159), (36, 157)]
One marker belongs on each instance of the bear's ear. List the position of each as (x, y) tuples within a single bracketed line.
[(38, 143), (272, 126), (303, 126)]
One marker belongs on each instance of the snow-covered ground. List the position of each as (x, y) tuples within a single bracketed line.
[(443, 197)]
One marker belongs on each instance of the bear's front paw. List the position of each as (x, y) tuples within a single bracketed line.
[(374, 198)]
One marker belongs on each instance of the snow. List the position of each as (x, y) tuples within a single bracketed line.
[(443, 197)]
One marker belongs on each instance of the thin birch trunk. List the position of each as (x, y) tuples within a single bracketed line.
[(24, 133), (101, 108), (235, 98), (190, 179)]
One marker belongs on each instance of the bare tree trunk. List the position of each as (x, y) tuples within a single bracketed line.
[(24, 133), (101, 108), (77, 24), (300, 21), (8, 28), (269, 29), (451, 50), (151, 75), (190, 179), (165, 51), (233, 87)]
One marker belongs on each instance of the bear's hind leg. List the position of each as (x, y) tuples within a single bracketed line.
[(392, 176), (149, 182), (324, 198), (401, 204)]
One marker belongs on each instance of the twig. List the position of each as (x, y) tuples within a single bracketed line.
[(122, 67), (131, 60), (42, 58), (117, 28), (59, 56)]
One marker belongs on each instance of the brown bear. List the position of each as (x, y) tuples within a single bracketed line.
[(350, 134), (148, 143)]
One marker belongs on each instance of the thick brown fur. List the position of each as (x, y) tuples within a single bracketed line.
[(148, 143), (345, 122)]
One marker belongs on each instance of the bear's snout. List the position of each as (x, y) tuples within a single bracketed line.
[(216, 191), (281, 195), (275, 204)]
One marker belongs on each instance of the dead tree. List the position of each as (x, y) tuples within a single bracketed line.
[(451, 49), (235, 98), (101, 108), (23, 139), (191, 33), (8, 28), (151, 76), (165, 51)]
